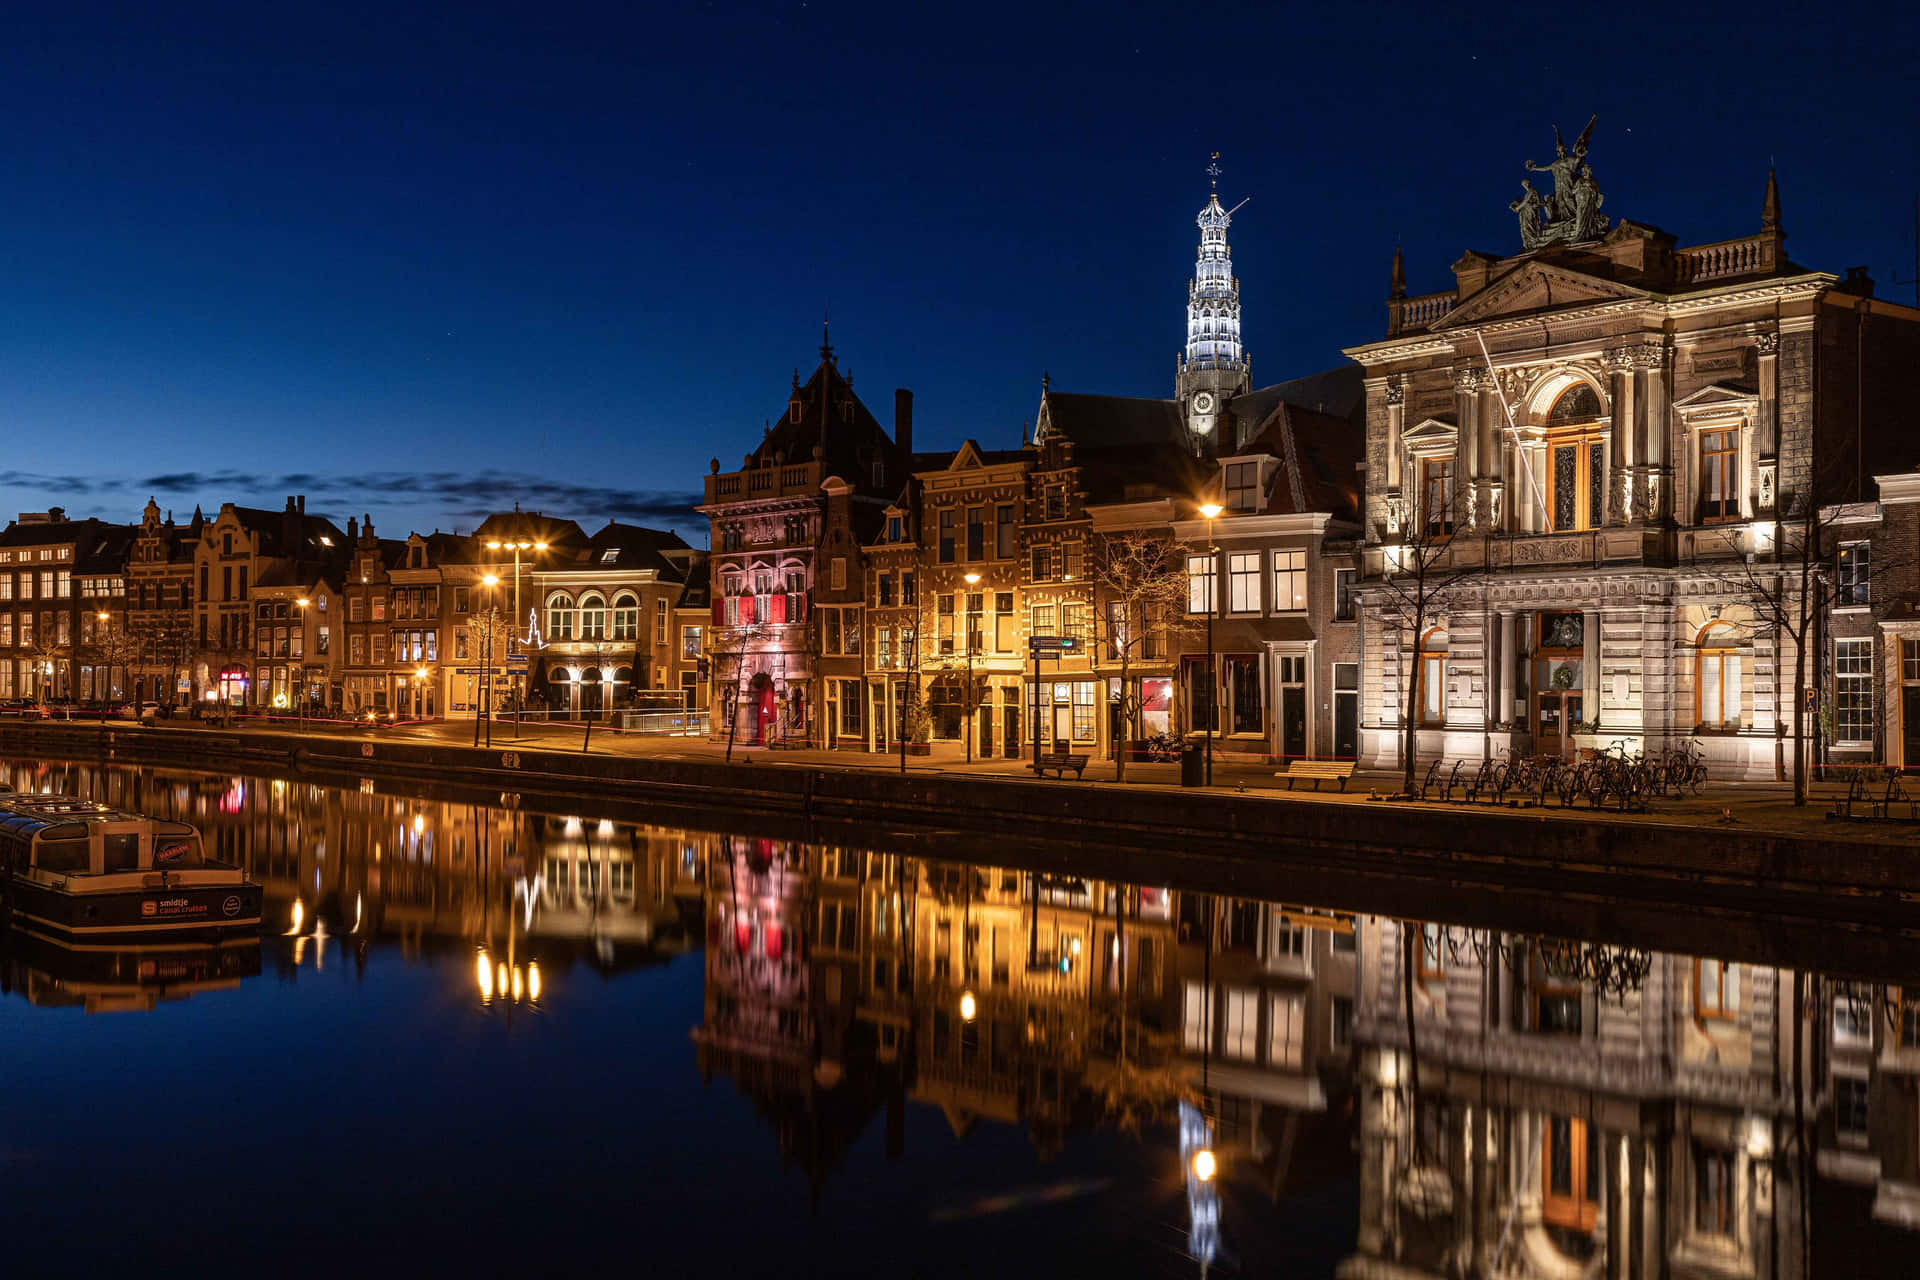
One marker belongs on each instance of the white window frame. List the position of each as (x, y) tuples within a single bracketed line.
[(1290, 582)]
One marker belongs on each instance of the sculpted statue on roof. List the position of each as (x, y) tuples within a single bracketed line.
[(1570, 213)]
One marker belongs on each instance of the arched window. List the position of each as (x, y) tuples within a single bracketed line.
[(1578, 403), (1433, 677), (1717, 682), (1576, 479), (560, 616), (626, 616), (593, 616)]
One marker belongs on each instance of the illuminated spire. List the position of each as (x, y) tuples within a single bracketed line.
[(1213, 296)]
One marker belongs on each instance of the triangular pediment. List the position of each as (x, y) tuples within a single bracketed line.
[(1429, 429), (1715, 394), (967, 458), (1536, 286)]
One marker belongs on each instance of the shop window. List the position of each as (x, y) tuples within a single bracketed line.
[(1246, 712)]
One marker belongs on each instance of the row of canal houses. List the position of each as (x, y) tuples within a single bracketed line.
[(1561, 503), (285, 611)]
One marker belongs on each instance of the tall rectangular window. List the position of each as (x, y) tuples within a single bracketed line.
[(1286, 1031), (1243, 582), (1043, 564), (1242, 1023), (1003, 623), (1853, 689), (1343, 600), (1004, 531), (1851, 578), (1056, 500), (947, 523), (1719, 473), (1196, 1017), (1436, 495), (1290, 581), (1713, 1196), (1199, 584), (976, 533)]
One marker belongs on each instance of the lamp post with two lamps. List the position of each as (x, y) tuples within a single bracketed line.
[(517, 546), (1211, 511), (967, 707), (483, 703), (303, 604), (105, 620)]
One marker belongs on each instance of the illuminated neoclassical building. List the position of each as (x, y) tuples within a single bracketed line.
[(1602, 447)]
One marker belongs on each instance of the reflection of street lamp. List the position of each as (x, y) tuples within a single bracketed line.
[(966, 700), (419, 678), (1203, 1165), (106, 620), (517, 547), (1211, 510), (968, 1008), (302, 604)]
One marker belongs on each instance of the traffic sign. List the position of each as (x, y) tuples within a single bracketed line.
[(1053, 644)]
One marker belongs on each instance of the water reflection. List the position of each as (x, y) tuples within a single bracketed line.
[(1494, 1104)]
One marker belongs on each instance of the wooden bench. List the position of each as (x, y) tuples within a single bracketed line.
[(1319, 770), (1059, 762)]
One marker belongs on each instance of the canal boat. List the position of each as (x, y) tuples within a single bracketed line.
[(85, 873), (121, 979)]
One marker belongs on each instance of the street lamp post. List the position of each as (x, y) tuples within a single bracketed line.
[(1211, 511), (302, 604), (966, 699), (105, 620), (520, 700), (483, 703)]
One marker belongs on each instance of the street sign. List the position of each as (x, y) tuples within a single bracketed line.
[(1053, 644), (515, 660), (1813, 701)]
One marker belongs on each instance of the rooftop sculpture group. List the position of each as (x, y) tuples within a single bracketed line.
[(1571, 212)]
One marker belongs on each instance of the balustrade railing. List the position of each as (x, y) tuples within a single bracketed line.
[(1423, 311), (1723, 261)]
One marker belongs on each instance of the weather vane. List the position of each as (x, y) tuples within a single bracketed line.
[(1213, 172)]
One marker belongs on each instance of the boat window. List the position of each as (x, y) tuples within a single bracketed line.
[(122, 850), (69, 857)]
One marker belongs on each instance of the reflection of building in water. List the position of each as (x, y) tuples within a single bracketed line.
[(1586, 1110), (1266, 1012)]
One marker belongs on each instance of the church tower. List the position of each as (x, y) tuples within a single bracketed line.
[(1214, 367)]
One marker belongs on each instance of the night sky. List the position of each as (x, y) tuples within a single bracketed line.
[(425, 265)]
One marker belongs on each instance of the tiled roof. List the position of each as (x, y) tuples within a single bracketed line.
[(835, 420), (1093, 421)]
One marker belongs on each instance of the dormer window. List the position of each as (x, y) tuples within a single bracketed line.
[(1243, 486), (609, 555), (894, 530), (793, 410)]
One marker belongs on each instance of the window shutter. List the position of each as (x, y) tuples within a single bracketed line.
[(719, 611), (779, 609)]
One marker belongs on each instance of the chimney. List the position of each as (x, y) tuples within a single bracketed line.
[(58, 515), (353, 529), (903, 419), (1858, 283), (302, 500)]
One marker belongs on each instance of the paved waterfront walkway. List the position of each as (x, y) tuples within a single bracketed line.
[(1747, 807)]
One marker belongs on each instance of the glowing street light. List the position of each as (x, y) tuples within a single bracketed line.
[(303, 604), (1210, 511), (517, 546)]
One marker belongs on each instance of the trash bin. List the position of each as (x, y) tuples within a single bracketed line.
[(1193, 765)]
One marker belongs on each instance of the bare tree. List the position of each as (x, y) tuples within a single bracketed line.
[(112, 645), (166, 637), (1422, 575), (601, 655), (1140, 607), (488, 631)]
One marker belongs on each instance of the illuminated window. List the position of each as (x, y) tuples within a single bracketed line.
[(1852, 575), (1199, 584), (1243, 582), (1853, 689), (1290, 582), (1436, 495), (1716, 989), (1197, 1017), (626, 617), (560, 616), (1433, 677), (1720, 473), (1241, 1023), (1286, 1031), (1717, 683), (593, 617)]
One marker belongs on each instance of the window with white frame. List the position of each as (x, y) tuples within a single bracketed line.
[(1290, 581), (1852, 584), (1852, 1023), (1243, 582), (1853, 689), (1286, 1030), (1242, 1023), (1718, 684), (1199, 584)]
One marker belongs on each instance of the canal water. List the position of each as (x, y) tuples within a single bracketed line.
[(492, 1037)]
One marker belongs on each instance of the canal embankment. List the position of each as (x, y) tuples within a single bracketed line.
[(1233, 837)]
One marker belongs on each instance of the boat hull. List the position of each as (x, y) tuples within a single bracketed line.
[(144, 915)]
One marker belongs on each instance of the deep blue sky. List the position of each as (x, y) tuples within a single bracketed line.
[(419, 265)]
